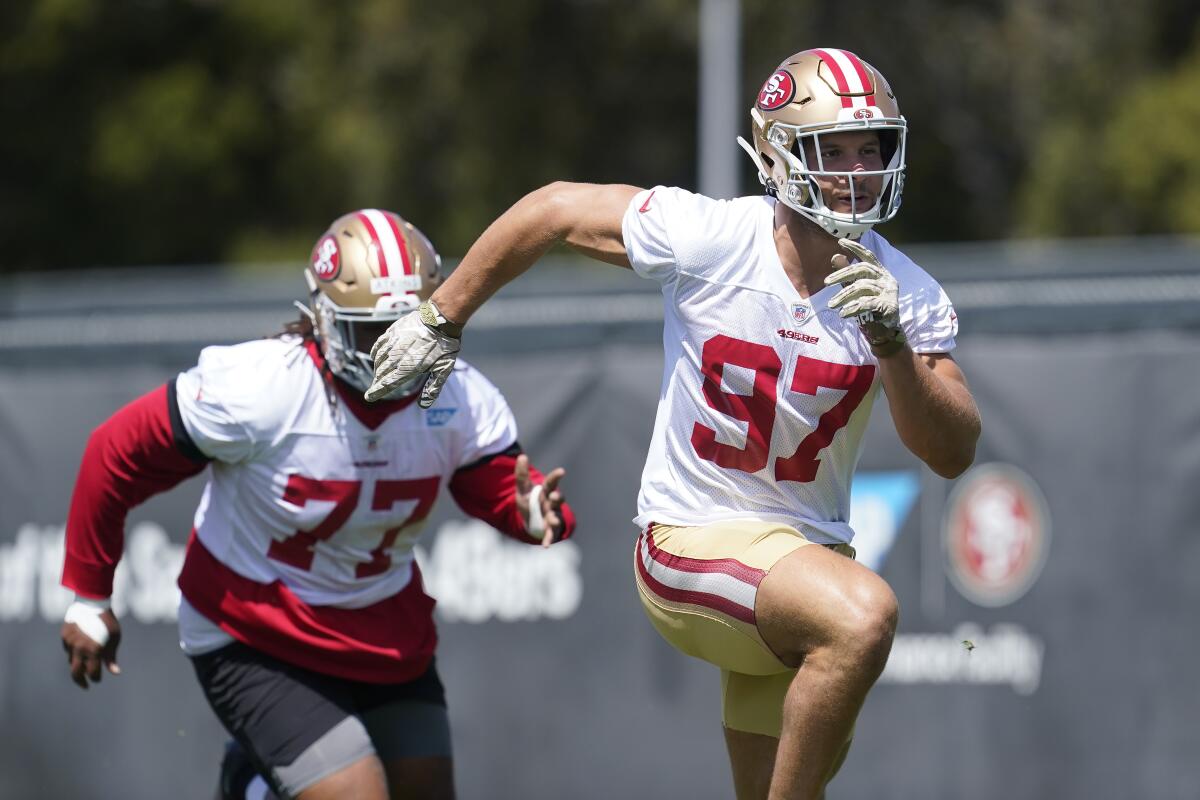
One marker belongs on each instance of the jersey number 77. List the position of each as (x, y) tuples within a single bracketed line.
[(299, 549)]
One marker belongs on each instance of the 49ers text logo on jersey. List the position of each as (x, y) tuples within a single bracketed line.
[(778, 91), (325, 261)]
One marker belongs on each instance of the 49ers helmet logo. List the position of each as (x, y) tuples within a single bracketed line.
[(864, 113), (997, 534), (778, 91), (326, 262)]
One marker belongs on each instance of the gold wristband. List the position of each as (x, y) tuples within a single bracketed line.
[(433, 318)]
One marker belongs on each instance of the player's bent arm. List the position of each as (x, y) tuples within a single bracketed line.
[(932, 408), (585, 216), (139, 451)]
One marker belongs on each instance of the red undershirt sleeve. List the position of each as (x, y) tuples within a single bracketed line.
[(487, 490), (141, 450)]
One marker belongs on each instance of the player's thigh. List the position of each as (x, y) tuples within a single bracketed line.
[(363, 779), (410, 729), (298, 727), (699, 585), (817, 597)]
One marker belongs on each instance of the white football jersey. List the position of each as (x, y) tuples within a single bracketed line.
[(300, 491), (765, 394)]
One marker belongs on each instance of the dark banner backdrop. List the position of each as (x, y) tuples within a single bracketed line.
[(1047, 645)]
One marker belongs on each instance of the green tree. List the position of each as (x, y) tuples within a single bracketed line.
[(182, 131), (1133, 171)]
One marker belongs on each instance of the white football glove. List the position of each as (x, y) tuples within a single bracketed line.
[(871, 294), (409, 348)]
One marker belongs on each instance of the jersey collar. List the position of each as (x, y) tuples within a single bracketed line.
[(371, 415)]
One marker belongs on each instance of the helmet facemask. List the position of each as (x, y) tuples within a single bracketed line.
[(346, 341), (797, 145)]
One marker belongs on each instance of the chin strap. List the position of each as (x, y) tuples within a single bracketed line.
[(756, 157), (306, 311)]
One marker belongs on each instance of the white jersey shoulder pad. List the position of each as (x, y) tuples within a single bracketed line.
[(668, 230), (238, 397)]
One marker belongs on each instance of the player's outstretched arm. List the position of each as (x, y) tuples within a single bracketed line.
[(585, 216)]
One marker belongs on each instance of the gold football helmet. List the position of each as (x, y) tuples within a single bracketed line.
[(817, 92), (369, 269)]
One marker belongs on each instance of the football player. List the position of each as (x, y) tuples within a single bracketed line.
[(302, 605), (784, 315)]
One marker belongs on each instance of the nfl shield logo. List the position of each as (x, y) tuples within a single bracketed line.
[(800, 311)]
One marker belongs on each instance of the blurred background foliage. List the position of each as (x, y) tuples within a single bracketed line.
[(185, 131)]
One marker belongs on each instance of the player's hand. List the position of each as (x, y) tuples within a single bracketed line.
[(90, 636), (540, 504), (869, 293), (408, 349)]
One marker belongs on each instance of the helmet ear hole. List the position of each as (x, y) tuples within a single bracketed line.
[(797, 148)]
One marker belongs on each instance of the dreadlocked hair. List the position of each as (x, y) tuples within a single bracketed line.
[(302, 326)]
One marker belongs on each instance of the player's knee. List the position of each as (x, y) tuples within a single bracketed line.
[(868, 624)]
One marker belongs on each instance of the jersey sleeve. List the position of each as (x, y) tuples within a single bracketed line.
[(222, 402), (484, 484), (645, 231), (932, 324), (137, 453), (489, 426), (670, 232), (926, 313)]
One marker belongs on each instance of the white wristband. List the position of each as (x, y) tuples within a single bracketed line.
[(536, 526), (85, 613)]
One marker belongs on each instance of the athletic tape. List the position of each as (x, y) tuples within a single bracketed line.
[(536, 527), (85, 615)]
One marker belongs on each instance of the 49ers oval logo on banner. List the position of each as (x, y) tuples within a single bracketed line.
[(778, 91), (996, 531), (326, 262)]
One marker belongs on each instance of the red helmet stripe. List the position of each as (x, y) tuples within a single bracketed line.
[(401, 241), (839, 77), (863, 76), (850, 75), (366, 221)]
